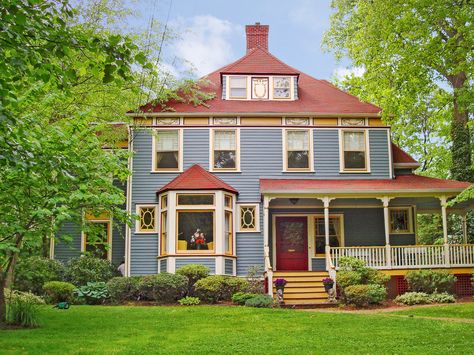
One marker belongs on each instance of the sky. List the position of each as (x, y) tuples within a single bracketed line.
[(212, 33)]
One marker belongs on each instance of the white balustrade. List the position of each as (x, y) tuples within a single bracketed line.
[(374, 257), (461, 254)]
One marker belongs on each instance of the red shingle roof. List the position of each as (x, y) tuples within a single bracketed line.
[(196, 178), (404, 183), (401, 157), (314, 96)]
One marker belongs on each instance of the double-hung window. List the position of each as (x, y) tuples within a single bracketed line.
[(167, 154), (354, 147), (224, 153), (298, 155), (238, 87)]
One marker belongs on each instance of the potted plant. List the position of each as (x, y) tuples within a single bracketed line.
[(280, 287), (328, 284)]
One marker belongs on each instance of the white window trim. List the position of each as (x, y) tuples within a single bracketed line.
[(137, 222), (257, 217), (410, 219), (248, 96), (342, 170), (110, 236), (180, 152), (237, 151), (310, 169)]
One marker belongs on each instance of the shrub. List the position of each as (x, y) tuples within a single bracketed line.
[(93, 292), (58, 291), (430, 281), (376, 277), (84, 269), (254, 278), (411, 298), (242, 297), (349, 263), (442, 298), (194, 273), (12, 295), (348, 278), (31, 273), (363, 295), (219, 288), (260, 301), (164, 287), (23, 312), (189, 301), (123, 289)]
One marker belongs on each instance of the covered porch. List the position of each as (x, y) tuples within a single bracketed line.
[(373, 220)]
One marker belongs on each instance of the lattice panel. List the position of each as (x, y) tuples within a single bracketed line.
[(463, 286), (401, 285)]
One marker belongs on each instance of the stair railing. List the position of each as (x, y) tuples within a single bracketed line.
[(269, 270)]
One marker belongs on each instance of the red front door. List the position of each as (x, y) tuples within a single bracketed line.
[(292, 243)]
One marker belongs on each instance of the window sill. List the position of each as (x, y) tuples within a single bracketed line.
[(253, 231), (225, 171), (151, 232), (298, 171), (354, 172), (166, 171), (196, 255)]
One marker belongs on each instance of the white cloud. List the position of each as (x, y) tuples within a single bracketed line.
[(341, 73), (205, 42)]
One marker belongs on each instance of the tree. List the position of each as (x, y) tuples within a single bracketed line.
[(418, 61)]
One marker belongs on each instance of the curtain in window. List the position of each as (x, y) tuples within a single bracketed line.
[(354, 141), (167, 141), (298, 140), (224, 140)]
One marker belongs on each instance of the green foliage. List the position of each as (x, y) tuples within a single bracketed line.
[(376, 277), (254, 278), (443, 297), (31, 273), (219, 288), (411, 298), (164, 287), (79, 271), (22, 311), (123, 289), (348, 278), (93, 292), (194, 273), (363, 295), (430, 281), (241, 297), (189, 301), (349, 263), (58, 291), (417, 68), (12, 295), (260, 301)]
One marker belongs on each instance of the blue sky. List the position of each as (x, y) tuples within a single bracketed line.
[(212, 32)]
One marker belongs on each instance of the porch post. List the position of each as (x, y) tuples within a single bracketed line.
[(266, 246), (386, 216), (444, 205), (464, 228), (326, 200)]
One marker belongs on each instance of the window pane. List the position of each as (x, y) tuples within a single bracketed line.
[(224, 140), (195, 230), (354, 141), (228, 232), (298, 140), (399, 220), (247, 218), (281, 82), (238, 92), (167, 140), (167, 160), (281, 88), (228, 201), (164, 235), (354, 160), (238, 82), (224, 159), (190, 199), (298, 160), (334, 234)]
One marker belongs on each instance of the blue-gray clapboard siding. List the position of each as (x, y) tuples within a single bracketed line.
[(229, 266), (163, 265), (208, 262), (63, 251), (260, 157)]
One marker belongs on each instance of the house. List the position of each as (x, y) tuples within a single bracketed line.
[(279, 170)]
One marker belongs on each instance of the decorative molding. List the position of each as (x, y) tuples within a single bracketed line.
[(168, 121), (225, 121), (297, 121)]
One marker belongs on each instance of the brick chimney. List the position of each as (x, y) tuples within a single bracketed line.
[(257, 36)]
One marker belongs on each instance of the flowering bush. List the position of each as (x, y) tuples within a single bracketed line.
[(189, 301), (280, 283), (328, 281)]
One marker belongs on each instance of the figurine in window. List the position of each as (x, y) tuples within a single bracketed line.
[(198, 239)]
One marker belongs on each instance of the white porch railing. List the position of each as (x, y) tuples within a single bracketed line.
[(408, 256)]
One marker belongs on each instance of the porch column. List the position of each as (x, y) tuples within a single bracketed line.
[(464, 228), (266, 246), (386, 217), (444, 205), (326, 200)]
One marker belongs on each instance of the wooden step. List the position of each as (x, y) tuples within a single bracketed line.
[(307, 301), (302, 289), (307, 295), (303, 283), (300, 278), (279, 274)]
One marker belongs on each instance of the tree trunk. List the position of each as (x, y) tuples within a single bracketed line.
[(45, 247), (3, 306), (461, 139)]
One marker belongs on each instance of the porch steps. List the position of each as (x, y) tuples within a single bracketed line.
[(303, 287)]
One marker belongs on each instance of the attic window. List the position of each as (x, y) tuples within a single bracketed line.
[(281, 87), (238, 87), (260, 88)]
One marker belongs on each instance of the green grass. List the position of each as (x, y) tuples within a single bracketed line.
[(233, 330), (462, 310)]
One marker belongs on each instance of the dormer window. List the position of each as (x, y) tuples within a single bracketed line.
[(260, 88), (238, 87), (281, 87)]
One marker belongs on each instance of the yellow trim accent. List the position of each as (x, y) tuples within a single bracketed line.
[(260, 121), (190, 121), (376, 122), (403, 272), (104, 215), (325, 121), (140, 121)]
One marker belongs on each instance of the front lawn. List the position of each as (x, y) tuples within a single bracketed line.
[(231, 330), (460, 310)]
